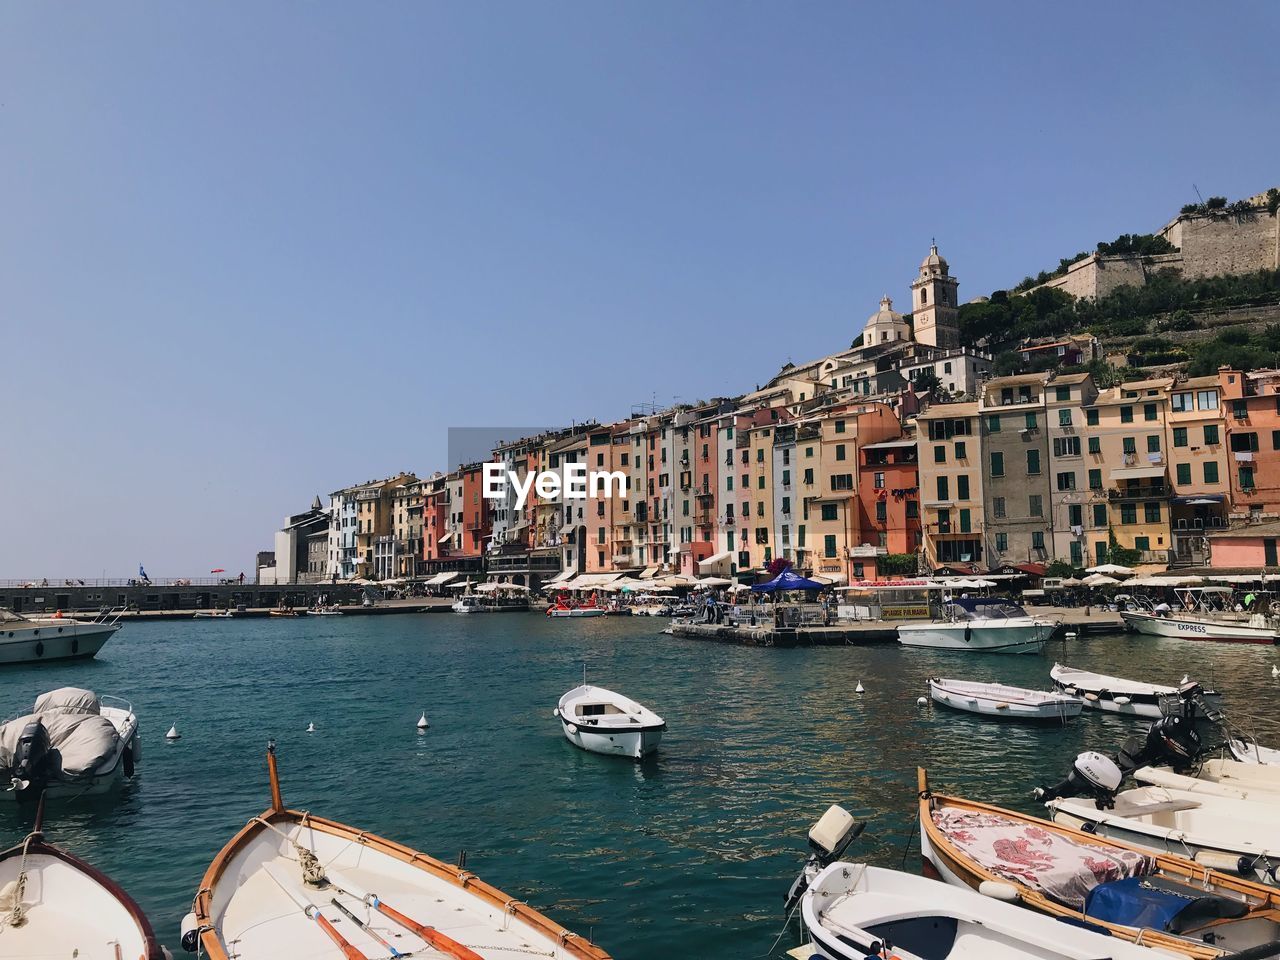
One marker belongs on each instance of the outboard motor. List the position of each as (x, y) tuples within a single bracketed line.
[(829, 838), (30, 757), (1172, 741), (1093, 775)]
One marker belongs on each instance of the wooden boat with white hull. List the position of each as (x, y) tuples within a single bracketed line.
[(1080, 878), (1004, 702), (1118, 695), (292, 886), (53, 904), (1219, 778), (603, 721)]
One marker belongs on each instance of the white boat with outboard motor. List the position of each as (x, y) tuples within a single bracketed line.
[(603, 721), (851, 911), (1204, 613), (1218, 777), (980, 625), (54, 905), (294, 886), (1118, 695), (1002, 701), (212, 615), (74, 743), (36, 639)]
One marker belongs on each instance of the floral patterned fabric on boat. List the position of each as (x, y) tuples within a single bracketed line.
[(1058, 866)]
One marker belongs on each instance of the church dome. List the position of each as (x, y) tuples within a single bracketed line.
[(886, 314), (934, 262)]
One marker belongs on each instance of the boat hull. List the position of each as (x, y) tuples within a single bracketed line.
[(635, 744), (1117, 695), (577, 612), (1190, 629), (977, 637), (1002, 706), (70, 641)]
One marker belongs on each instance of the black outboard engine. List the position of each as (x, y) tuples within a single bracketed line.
[(829, 838), (1172, 741), (30, 758), (1093, 775)]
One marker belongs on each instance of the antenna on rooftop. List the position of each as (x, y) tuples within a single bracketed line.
[(1197, 190)]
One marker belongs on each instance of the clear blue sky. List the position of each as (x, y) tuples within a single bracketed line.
[(254, 252)]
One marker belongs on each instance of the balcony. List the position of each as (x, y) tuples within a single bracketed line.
[(1148, 492), (866, 551)]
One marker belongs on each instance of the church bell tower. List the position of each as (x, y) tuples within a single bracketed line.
[(935, 310)]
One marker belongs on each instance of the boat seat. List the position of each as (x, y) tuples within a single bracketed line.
[(1159, 904)]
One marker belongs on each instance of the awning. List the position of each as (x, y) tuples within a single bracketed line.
[(440, 578), (1137, 473), (714, 560), (1200, 499), (828, 577), (648, 572), (445, 539), (560, 577)]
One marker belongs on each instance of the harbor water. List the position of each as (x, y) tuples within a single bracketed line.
[(688, 854)]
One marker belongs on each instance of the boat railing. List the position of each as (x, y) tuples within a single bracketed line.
[(111, 615), (117, 703)]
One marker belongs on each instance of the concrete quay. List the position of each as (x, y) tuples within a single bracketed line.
[(861, 632), (382, 608)]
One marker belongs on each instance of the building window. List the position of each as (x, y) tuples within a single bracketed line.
[(1128, 513), (1130, 445), (997, 507), (1037, 539), (839, 426), (962, 487), (1002, 542), (1031, 421), (1099, 514), (1095, 479), (944, 492), (939, 454), (966, 524), (1064, 418), (839, 451), (829, 545), (1075, 515), (830, 511), (1091, 417), (1244, 442), (1246, 478), (993, 423), (1151, 512), (1067, 481), (808, 475), (1179, 436), (961, 452), (786, 504), (1035, 505), (1153, 443), (1066, 446), (1211, 471), (882, 511), (1033, 461), (1211, 434), (1126, 414), (1183, 471), (1142, 544), (1181, 403), (1148, 411), (1095, 445), (1062, 393), (913, 509), (997, 463)]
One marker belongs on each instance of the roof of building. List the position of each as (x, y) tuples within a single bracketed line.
[(948, 411), (1016, 380), (1267, 528), (1155, 383), (1068, 379), (934, 260), (1194, 382)]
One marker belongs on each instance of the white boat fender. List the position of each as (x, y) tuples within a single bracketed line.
[(1227, 862), (1123, 701), (190, 933), (859, 688), (1091, 697), (422, 721), (173, 733), (555, 712), (1275, 671), (1000, 706), (999, 890), (922, 701), (1070, 635), (571, 727)]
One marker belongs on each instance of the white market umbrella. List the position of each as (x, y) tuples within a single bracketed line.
[(714, 582), (1072, 582), (1110, 568), (1099, 580)]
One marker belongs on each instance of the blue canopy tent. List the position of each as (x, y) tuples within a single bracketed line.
[(787, 580)]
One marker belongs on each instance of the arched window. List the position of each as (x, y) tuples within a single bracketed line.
[(924, 294)]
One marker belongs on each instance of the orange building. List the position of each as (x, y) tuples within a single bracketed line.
[(1252, 416), (889, 500)]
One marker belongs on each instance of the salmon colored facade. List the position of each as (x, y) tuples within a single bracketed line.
[(1252, 414), (888, 501)]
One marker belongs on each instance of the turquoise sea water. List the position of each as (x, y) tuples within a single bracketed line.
[(687, 854)]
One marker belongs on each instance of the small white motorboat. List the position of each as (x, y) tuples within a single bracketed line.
[(1250, 751), (562, 608), (212, 615), (1223, 833), (73, 744), (852, 911), (1008, 703), (294, 886), (1204, 613), (603, 721), (980, 625), (53, 904), (1117, 695), (36, 639), (1219, 778), (469, 603), (324, 612)]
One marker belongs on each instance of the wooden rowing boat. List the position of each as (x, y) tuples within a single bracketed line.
[(1002, 701), (53, 904), (1034, 845), (291, 886)]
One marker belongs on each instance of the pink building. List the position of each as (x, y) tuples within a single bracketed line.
[(1250, 547)]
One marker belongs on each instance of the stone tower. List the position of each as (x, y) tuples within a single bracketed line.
[(935, 309)]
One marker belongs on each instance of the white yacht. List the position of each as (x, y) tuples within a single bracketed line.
[(1204, 613), (34, 639), (603, 721), (980, 625)]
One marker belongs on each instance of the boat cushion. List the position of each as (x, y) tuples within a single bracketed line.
[(68, 700), (1058, 866), (1158, 904)]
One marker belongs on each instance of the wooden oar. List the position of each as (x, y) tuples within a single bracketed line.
[(365, 927), (440, 941), (312, 912)]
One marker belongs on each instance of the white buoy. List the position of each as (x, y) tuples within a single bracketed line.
[(858, 688), (1275, 671), (922, 701), (173, 733), (422, 721), (311, 727), (1070, 635)]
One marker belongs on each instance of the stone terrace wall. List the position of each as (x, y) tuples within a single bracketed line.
[(1230, 243)]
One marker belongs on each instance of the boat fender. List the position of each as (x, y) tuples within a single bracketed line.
[(1002, 706), (1122, 701), (128, 762), (998, 890), (1227, 862), (555, 711), (136, 747), (1069, 691), (571, 727), (922, 702), (165, 952), (190, 933), (1091, 697)]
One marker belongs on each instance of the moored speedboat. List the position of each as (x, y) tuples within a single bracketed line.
[(1118, 695), (34, 639), (53, 904), (212, 615), (1004, 702), (1204, 615), (603, 721), (292, 886), (1220, 778), (468, 603), (1165, 902), (73, 744), (324, 612), (980, 625), (563, 608)]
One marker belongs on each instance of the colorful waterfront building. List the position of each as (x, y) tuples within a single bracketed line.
[(1252, 421), (1199, 468), (1077, 497), (951, 486), (1014, 460), (1252, 546), (889, 502)]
